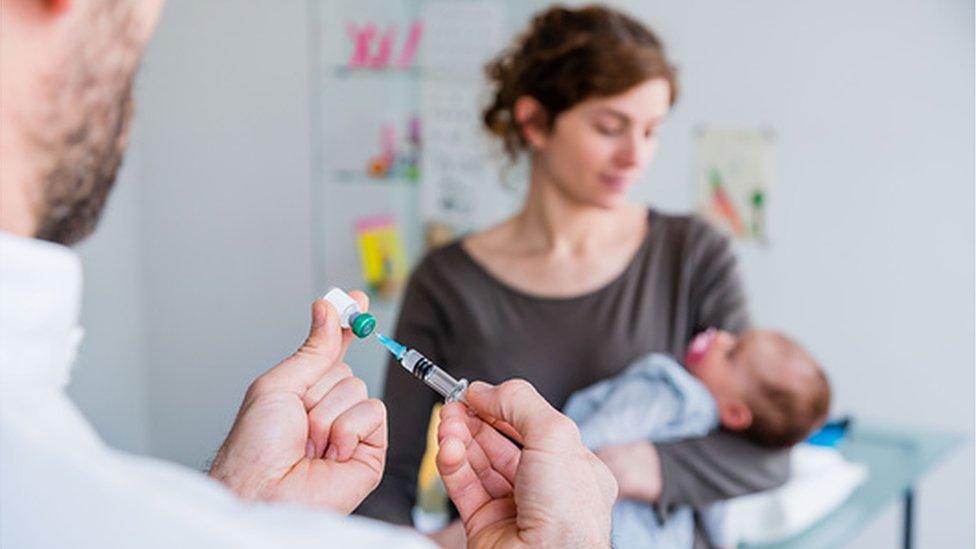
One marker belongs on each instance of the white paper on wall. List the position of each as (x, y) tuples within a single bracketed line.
[(460, 183), (732, 173)]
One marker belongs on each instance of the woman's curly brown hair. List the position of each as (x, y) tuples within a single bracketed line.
[(567, 56)]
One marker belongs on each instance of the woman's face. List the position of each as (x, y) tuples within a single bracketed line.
[(599, 147)]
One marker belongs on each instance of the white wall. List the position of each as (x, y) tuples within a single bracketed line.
[(871, 214), (225, 209)]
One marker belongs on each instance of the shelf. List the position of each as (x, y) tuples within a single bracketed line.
[(361, 178), (345, 72)]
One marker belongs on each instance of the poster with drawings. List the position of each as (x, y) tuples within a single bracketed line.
[(732, 173)]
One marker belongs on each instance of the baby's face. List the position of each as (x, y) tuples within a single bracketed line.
[(731, 366), (742, 372), (715, 358)]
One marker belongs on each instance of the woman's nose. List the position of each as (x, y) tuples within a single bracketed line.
[(635, 150)]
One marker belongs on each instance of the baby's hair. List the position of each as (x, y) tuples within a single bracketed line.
[(785, 415)]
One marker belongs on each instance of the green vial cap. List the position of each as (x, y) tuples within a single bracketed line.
[(363, 325)]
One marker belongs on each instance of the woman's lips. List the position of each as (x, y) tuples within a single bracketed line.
[(615, 182), (699, 346)]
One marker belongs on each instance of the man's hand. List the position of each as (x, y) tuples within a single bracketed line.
[(450, 537), (306, 431), (552, 492), (637, 469)]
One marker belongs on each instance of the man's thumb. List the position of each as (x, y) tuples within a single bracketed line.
[(324, 337), (516, 403), (319, 352)]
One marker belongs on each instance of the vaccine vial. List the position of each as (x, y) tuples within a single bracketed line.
[(362, 324)]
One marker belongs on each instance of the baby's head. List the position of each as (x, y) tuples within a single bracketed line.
[(765, 384)]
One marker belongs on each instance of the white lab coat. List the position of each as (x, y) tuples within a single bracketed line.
[(61, 486)]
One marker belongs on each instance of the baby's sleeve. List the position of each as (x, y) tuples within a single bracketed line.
[(713, 519)]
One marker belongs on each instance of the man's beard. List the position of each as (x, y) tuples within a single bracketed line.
[(83, 132), (77, 184)]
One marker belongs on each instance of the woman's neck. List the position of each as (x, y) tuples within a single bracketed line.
[(551, 222)]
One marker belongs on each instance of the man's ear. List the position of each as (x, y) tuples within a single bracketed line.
[(735, 416), (530, 118)]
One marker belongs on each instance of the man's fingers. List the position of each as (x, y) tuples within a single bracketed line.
[(346, 394), (322, 341), (475, 505), (318, 353), (347, 335), (341, 370), (361, 298), (498, 450), (461, 482), (322, 337), (323, 349), (365, 422), (496, 484), (496, 424), (503, 455), (517, 403), (325, 384)]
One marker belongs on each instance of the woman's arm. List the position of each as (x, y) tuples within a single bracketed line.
[(408, 405), (716, 294), (722, 465)]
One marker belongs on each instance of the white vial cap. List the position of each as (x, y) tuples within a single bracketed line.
[(344, 304)]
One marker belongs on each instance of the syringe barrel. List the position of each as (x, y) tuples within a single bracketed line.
[(434, 376)]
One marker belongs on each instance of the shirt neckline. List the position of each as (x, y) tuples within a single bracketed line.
[(633, 263)]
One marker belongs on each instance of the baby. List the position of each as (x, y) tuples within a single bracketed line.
[(764, 384), (760, 383)]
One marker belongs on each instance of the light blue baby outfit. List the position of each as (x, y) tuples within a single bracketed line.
[(657, 400)]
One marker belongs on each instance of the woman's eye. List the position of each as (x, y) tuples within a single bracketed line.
[(608, 130)]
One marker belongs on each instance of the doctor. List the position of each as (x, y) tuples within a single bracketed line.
[(307, 445)]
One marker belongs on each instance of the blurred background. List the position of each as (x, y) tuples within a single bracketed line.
[(252, 180)]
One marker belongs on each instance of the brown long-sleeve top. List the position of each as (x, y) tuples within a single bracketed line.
[(682, 280)]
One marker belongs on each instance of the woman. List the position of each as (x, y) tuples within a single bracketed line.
[(581, 281)]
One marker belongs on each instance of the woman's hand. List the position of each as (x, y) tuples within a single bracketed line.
[(636, 467), (306, 431)]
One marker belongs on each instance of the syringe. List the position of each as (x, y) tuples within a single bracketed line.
[(423, 369)]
